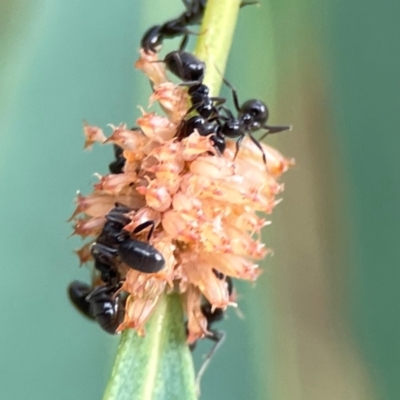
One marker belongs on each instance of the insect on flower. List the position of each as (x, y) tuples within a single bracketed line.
[(114, 242), (191, 71), (252, 115), (101, 304), (179, 210), (107, 307)]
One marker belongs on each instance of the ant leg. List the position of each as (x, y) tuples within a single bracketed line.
[(184, 42), (100, 293), (191, 109), (184, 31), (274, 129), (185, 38), (107, 271), (228, 112), (238, 145), (218, 337), (214, 109), (257, 143), (218, 100), (103, 253), (117, 214), (249, 3), (180, 131), (230, 86), (179, 66), (234, 94), (218, 117), (190, 83), (143, 226)]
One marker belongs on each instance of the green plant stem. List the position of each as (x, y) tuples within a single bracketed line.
[(215, 39), (159, 366)]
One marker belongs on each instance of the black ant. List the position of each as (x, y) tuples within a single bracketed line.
[(100, 305), (106, 308), (155, 35), (252, 116), (185, 66), (205, 128), (114, 242), (191, 71), (175, 27)]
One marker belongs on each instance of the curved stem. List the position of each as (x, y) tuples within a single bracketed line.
[(215, 39)]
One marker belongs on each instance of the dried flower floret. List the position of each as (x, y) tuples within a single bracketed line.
[(204, 206)]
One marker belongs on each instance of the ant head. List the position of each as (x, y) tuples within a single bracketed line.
[(152, 39), (185, 66), (254, 113)]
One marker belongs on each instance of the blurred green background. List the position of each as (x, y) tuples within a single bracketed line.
[(323, 320)]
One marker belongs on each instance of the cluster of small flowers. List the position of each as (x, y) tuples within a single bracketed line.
[(205, 207), (202, 208)]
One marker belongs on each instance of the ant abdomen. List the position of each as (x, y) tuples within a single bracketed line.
[(141, 256), (77, 293), (185, 66), (106, 308)]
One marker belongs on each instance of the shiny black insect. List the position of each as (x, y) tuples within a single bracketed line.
[(114, 242), (252, 116), (204, 128), (100, 304), (106, 308), (191, 71), (155, 36), (77, 293), (117, 166), (185, 66)]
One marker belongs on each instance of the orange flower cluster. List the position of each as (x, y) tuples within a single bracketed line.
[(205, 206)]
